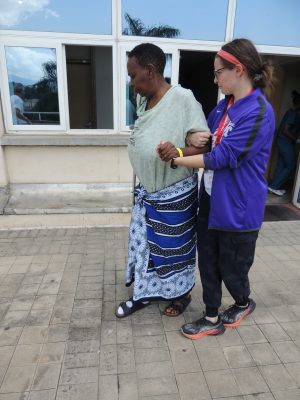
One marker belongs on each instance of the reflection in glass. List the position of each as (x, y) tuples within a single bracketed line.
[(94, 16), (131, 96), (276, 22), (191, 19), (32, 78)]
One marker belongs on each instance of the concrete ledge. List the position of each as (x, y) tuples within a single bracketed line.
[(4, 197), (63, 221), (65, 140), (50, 205)]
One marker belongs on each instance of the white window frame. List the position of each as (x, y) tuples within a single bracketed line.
[(6, 94)]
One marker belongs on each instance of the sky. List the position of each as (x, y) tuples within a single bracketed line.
[(72, 16), (206, 21), (272, 22), (25, 64)]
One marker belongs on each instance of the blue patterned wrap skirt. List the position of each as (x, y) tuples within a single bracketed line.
[(162, 241)]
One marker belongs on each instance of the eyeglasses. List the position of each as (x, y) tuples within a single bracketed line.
[(217, 72)]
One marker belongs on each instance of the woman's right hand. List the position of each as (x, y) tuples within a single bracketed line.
[(198, 139)]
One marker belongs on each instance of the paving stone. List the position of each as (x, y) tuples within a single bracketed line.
[(292, 329), (251, 334), (125, 358), (14, 318), (77, 392), (238, 357), (150, 341), (18, 379), (147, 329), (14, 396), (231, 337), (84, 346), (26, 354), (46, 376), (151, 355), (293, 394), (22, 303), (81, 360), (108, 360), (58, 333), (33, 334), (287, 351), (250, 380), (72, 376), (39, 317), (6, 353), (259, 396), (52, 352), (221, 383), (192, 386), (294, 370), (263, 354), (43, 395), (274, 332), (185, 360), (108, 387), (128, 387), (157, 386), (277, 377)]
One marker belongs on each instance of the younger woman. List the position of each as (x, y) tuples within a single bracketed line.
[(233, 188)]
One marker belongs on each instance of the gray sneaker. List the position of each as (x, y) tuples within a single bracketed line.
[(234, 314)]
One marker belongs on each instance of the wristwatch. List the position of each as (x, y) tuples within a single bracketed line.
[(172, 165)]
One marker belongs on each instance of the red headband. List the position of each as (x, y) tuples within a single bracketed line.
[(229, 57)]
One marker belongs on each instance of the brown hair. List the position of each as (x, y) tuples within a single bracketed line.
[(259, 71)]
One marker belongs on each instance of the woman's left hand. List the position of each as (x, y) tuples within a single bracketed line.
[(167, 151)]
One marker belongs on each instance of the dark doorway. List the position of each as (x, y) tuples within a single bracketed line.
[(196, 73)]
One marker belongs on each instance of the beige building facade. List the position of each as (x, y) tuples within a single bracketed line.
[(71, 62)]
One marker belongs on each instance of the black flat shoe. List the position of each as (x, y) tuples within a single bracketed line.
[(136, 305)]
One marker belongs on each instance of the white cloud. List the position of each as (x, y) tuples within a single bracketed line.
[(51, 13), (12, 12), (27, 62)]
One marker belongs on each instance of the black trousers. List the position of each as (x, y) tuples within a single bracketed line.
[(223, 256)]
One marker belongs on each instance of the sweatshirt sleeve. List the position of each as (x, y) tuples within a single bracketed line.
[(242, 142)]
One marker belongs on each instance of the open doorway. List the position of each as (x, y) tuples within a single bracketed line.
[(287, 79), (196, 73), (90, 86)]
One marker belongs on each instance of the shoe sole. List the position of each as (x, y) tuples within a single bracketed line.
[(212, 332), (239, 320)]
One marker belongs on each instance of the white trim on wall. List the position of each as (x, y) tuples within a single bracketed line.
[(119, 44)]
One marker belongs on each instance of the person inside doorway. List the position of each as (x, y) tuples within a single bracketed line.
[(17, 105), (287, 136)]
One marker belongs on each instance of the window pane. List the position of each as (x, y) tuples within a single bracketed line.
[(32, 78), (90, 16), (131, 96), (90, 87), (191, 19), (276, 21)]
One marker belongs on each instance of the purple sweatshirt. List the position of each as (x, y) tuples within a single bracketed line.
[(239, 163)]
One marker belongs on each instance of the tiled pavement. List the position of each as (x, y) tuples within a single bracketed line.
[(59, 338)]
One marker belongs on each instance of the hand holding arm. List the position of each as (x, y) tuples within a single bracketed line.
[(198, 139), (167, 151)]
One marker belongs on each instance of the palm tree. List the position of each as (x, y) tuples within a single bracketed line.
[(137, 28)]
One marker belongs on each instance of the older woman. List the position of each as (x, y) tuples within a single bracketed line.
[(162, 234)]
